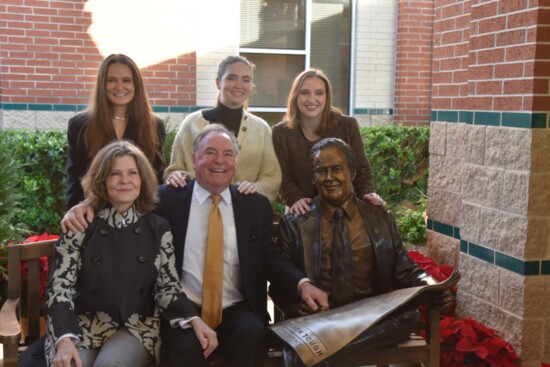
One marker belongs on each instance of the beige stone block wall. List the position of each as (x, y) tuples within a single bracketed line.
[(374, 120), (546, 345), (442, 249), (493, 183), (538, 235), (57, 120), (539, 161), (504, 232), (508, 325), (479, 278), (172, 120), (438, 138), (444, 206), (508, 148)]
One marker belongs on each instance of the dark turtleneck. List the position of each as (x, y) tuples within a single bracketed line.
[(228, 117)]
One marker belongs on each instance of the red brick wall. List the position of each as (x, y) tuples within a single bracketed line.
[(484, 56), (413, 62), (47, 56)]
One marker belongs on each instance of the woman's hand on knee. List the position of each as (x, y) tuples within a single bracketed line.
[(207, 337), (65, 353)]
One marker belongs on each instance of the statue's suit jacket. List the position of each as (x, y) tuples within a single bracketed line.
[(260, 259), (299, 239)]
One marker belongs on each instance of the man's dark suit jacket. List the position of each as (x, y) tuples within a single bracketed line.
[(260, 259), (299, 239)]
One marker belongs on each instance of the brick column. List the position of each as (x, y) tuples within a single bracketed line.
[(413, 62), (489, 185)]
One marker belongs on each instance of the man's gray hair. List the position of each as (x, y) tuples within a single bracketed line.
[(215, 128)]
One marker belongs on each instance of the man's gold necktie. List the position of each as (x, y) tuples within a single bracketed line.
[(212, 288)]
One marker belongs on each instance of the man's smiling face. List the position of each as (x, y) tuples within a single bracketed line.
[(214, 162), (332, 176)]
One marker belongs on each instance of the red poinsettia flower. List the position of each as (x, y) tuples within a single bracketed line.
[(41, 237), (468, 342), (43, 263), (465, 342)]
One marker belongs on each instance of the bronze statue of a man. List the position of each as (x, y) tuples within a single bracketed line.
[(350, 249)]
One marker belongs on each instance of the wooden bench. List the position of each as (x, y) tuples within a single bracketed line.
[(415, 349)]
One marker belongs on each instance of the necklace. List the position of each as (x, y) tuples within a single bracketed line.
[(120, 117)]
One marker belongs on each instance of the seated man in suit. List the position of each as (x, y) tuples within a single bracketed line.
[(231, 318), (348, 248)]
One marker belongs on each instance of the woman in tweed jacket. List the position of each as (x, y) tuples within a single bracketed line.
[(311, 117), (111, 284), (257, 168)]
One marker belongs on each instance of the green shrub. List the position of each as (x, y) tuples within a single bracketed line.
[(170, 136), (399, 159), (41, 156), (10, 197)]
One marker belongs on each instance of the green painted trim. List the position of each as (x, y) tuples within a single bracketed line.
[(464, 246), (481, 252), (40, 107), (516, 120), (526, 120), (373, 111), (443, 228), (76, 108), (516, 265), (65, 107), (456, 233), (430, 224), (502, 260), (15, 106), (487, 118), (448, 116), (466, 117), (539, 120), (177, 109), (161, 109)]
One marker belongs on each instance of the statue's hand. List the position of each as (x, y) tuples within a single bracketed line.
[(303, 309)]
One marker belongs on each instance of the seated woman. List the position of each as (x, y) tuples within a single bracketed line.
[(111, 284), (310, 117)]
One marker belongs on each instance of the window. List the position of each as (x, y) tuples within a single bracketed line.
[(284, 37)]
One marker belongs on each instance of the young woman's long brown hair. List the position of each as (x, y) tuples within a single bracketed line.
[(100, 130), (330, 115)]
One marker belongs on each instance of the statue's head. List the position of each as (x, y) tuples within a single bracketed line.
[(333, 170)]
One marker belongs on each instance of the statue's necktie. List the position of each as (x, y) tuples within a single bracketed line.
[(212, 287), (342, 268)]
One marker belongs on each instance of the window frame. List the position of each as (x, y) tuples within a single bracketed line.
[(306, 52)]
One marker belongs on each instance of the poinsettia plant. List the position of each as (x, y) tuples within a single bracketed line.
[(465, 342)]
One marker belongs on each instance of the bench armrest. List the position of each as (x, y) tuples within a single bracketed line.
[(10, 331)]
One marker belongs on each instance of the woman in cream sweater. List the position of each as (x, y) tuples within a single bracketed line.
[(257, 165)]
